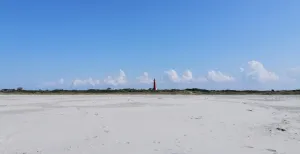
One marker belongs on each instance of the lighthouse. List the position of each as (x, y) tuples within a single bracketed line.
[(154, 85)]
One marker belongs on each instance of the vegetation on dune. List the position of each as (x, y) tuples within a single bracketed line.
[(190, 91)]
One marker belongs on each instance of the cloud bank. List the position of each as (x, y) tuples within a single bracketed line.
[(109, 80), (84, 82), (254, 71), (187, 77)]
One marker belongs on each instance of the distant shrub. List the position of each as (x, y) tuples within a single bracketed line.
[(19, 89)]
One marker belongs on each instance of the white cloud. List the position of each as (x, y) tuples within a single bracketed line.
[(173, 76), (294, 73), (110, 81), (187, 77), (121, 79), (89, 81), (218, 76), (144, 78), (260, 73)]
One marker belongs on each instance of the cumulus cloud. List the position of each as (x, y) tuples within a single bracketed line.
[(120, 80), (294, 73), (172, 75), (260, 73), (144, 78), (187, 77), (84, 82), (218, 76)]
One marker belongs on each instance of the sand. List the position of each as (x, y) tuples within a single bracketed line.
[(156, 124)]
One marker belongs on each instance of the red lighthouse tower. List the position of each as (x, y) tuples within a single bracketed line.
[(154, 85)]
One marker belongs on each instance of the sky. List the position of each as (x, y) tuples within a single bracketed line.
[(209, 44)]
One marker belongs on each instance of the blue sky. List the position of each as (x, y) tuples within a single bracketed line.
[(212, 44)]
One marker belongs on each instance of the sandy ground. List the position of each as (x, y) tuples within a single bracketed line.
[(157, 124)]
